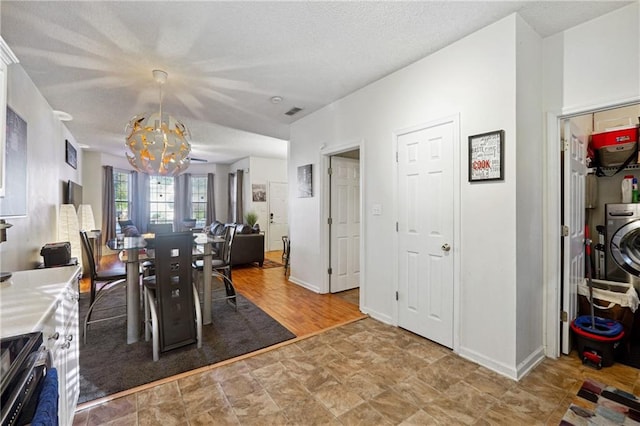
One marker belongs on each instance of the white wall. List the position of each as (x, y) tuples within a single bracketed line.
[(601, 60), (475, 78), (46, 173), (529, 197), (263, 171), (260, 170)]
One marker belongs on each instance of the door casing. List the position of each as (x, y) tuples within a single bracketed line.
[(553, 222), (325, 203)]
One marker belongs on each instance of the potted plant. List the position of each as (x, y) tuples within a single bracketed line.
[(252, 220)]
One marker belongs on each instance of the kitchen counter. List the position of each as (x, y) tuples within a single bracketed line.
[(28, 298)]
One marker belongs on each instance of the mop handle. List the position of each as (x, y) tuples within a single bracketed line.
[(587, 244)]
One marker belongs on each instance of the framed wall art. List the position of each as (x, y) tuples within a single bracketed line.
[(70, 154), (486, 156), (305, 181), (259, 192), (14, 201)]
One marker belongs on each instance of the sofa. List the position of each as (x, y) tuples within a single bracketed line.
[(248, 243), (247, 248)]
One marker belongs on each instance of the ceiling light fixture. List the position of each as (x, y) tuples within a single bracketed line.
[(159, 142), (63, 116), (276, 99)]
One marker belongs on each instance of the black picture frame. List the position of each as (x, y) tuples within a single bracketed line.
[(486, 156), (70, 154)]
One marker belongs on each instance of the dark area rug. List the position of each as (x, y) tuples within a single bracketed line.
[(108, 365)]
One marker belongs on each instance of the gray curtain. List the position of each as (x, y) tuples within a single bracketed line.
[(239, 201), (182, 200), (108, 205), (211, 201), (140, 200), (230, 196)]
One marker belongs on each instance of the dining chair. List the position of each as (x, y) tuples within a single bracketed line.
[(173, 316), (111, 278), (160, 228), (188, 224), (221, 266)]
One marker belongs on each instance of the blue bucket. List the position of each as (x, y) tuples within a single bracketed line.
[(603, 326)]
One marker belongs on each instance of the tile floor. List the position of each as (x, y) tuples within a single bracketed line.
[(365, 373)]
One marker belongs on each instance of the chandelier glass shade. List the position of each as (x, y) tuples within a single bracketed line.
[(158, 142)]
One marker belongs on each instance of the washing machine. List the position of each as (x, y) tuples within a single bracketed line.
[(622, 243)]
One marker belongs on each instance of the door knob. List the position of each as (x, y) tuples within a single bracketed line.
[(445, 247)]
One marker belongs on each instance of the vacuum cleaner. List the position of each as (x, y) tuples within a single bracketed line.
[(596, 338)]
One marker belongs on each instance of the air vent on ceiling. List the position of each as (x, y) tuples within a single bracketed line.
[(293, 111), (198, 160)]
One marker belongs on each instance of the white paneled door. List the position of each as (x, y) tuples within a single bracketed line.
[(345, 226), (425, 231), (575, 170), (278, 217)]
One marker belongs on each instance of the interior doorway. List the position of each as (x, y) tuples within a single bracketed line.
[(344, 221), (278, 216), (589, 182)]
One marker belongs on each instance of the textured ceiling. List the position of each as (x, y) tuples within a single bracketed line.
[(227, 59)]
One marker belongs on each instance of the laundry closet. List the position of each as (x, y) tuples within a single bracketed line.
[(601, 173)]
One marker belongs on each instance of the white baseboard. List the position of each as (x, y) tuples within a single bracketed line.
[(377, 315), (304, 284), (530, 362), (512, 372)]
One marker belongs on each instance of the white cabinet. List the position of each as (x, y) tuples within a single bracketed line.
[(61, 336), (47, 300)]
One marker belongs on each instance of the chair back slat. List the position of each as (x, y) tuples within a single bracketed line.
[(160, 228), (228, 242), (174, 290), (89, 252)]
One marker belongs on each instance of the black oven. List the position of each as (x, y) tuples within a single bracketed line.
[(24, 363)]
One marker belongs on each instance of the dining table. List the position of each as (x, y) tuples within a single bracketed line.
[(133, 250)]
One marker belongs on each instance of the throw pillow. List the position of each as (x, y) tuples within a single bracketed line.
[(244, 229), (130, 231), (124, 223), (217, 228)]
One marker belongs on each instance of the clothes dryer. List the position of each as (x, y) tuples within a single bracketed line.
[(622, 242)]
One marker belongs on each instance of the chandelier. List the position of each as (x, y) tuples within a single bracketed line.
[(158, 142)]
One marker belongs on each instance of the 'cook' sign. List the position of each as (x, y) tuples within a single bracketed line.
[(486, 156)]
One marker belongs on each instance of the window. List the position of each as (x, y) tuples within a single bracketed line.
[(121, 191), (161, 199), (199, 200)]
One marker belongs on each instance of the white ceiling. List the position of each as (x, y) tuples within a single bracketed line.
[(226, 60)]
